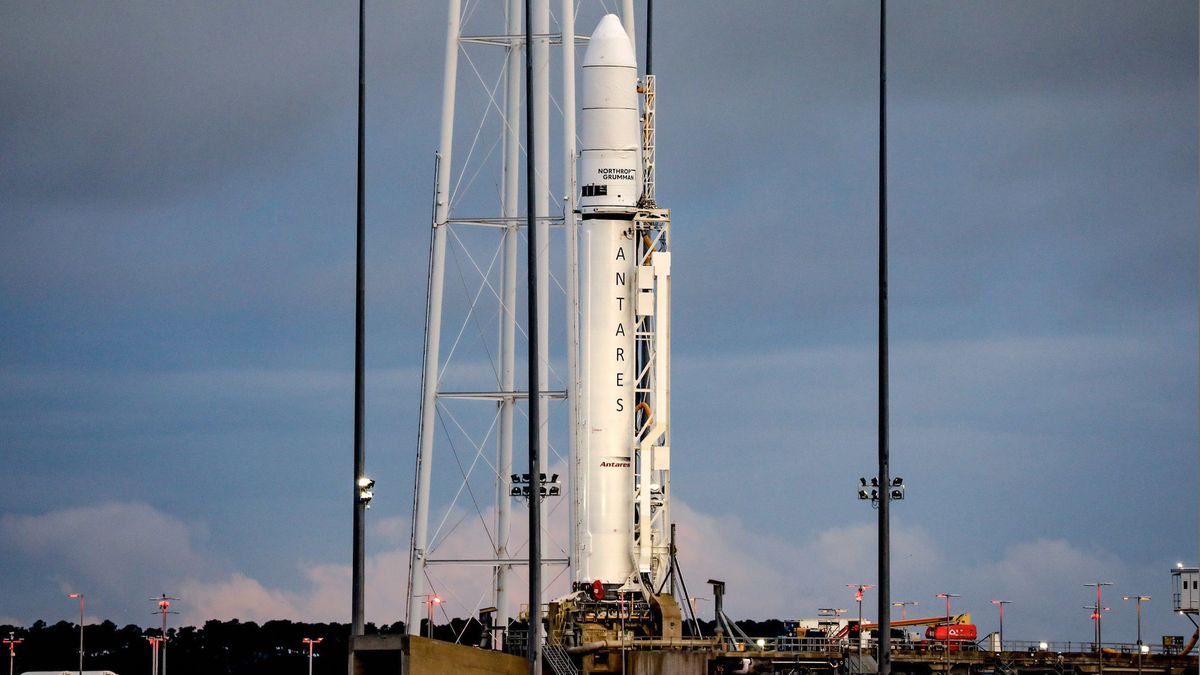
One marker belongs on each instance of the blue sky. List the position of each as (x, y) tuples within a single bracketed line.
[(176, 300)]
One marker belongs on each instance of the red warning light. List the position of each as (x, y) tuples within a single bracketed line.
[(598, 589)]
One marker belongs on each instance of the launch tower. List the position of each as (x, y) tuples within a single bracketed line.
[(612, 373)]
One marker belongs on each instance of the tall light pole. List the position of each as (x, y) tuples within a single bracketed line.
[(858, 595), (12, 641), (80, 597), (890, 488), (1097, 614), (430, 601), (903, 605), (153, 654), (948, 596), (1138, 598), (1000, 605), (164, 608), (311, 643), (362, 484), (534, 79)]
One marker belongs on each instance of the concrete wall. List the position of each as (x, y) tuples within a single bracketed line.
[(434, 657), (667, 663), (406, 655)]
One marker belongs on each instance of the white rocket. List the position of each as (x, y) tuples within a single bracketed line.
[(613, 542), (610, 183)]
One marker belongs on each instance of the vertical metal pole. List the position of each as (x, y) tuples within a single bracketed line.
[(164, 635), (861, 633), (360, 507), (1000, 604), (433, 330), (627, 22), (508, 317), (535, 484), (1139, 635), (539, 152), (673, 570), (885, 569), (81, 633), (1098, 615), (1001, 628), (649, 37), (570, 227)]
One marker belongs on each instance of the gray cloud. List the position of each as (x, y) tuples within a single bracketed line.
[(115, 553), (110, 101)]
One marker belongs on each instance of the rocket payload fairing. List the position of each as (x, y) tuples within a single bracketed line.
[(610, 171)]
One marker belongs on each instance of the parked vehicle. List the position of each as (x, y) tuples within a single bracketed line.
[(954, 637)]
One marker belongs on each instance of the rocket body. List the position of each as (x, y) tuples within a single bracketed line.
[(610, 184)]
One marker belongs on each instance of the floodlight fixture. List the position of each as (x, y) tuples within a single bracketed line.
[(366, 491)]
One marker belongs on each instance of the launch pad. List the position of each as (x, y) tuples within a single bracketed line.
[(408, 655), (617, 386)]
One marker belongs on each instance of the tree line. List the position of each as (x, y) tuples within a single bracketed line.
[(218, 647), (233, 647)]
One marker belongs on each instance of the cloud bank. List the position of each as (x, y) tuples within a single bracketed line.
[(768, 576)]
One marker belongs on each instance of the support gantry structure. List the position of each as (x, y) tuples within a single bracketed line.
[(466, 550)]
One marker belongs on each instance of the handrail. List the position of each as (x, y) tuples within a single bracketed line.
[(837, 647)]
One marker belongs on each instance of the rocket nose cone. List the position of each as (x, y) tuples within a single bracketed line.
[(609, 45)]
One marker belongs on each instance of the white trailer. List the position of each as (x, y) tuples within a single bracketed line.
[(68, 672), (1185, 589)]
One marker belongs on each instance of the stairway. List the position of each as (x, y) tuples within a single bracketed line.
[(558, 660)]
